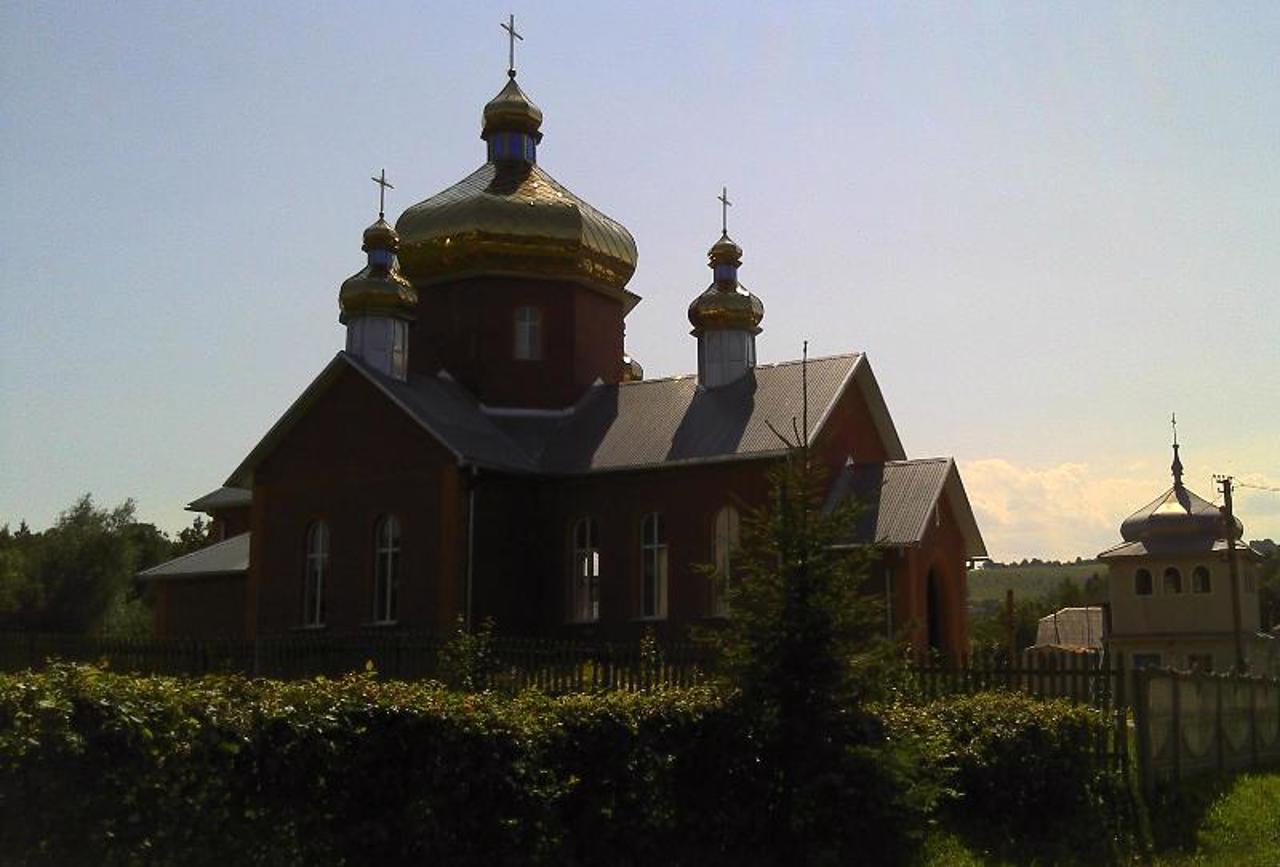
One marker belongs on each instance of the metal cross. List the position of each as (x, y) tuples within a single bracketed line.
[(1173, 420), (383, 186), (725, 204), (512, 36)]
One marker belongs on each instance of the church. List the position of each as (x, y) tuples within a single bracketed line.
[(484, 446)]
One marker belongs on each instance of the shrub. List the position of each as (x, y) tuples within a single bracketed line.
[(1022, 775)]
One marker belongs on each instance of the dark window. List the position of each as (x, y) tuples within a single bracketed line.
[(386, 584), (317, 570), (1172, 580), (653, 563), (586, 571), (1142, 582), (1201, 582)]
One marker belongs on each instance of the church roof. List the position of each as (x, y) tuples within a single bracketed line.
[(222, 498), (1174, 548), (634, 425), (899, 499), (228, 557)]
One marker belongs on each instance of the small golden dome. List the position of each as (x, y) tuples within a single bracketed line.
[(726, 303), (378, 289), (632, 371), (380, 236), (511, 111)]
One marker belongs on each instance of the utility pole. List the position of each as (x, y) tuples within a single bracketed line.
[(1230, 522)]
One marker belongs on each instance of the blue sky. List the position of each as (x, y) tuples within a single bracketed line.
[(1049, 225)]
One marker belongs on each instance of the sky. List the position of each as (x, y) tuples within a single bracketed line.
[(1049, 226)]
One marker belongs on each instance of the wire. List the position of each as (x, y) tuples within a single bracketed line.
[(1257, 487)]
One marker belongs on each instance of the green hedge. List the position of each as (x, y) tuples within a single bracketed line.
[(102, 768), (1023, 775)]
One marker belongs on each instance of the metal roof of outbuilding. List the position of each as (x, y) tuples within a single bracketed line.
[(228, 557)]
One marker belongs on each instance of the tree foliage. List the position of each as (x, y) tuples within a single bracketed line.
[(802, 651), (79, 575)]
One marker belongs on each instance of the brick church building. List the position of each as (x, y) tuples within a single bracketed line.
[(483, 446)]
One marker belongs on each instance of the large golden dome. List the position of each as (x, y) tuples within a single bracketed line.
[(510, 217), (726, 303)]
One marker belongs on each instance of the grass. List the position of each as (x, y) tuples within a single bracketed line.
[(1239, 828), (1231, 823)]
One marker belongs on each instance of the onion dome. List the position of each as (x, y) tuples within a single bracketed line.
[(726, 304), (378, 289), (1178, 516), (511, 218), (631, 369)]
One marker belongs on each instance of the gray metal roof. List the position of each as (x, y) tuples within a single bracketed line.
[(633, 425), (670, 421), (228, 557), (1073, 628), (1174, 548), (899, 498), (222, 498)]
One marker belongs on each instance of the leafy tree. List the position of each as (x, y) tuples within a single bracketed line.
[(1269, 586), (198, 535)]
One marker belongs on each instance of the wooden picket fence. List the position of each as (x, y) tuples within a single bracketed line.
[(1102, 683), (503, 663)]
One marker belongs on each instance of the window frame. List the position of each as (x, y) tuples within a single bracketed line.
[(315, 573), (654, 557), (388, 536), (1138, 577), (1176, 574), (584, 571), (527, 333), (1201, 571), (725, 539)]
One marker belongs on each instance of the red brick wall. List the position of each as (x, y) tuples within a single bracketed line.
[(352, 458), (943, 552), (200, 607), (468, 328)]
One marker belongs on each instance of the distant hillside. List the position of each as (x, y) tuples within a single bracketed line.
[(988, 586)]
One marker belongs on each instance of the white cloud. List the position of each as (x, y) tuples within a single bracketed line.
[(1075, 509)]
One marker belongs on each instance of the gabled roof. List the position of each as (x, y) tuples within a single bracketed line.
[(634, 425), (900, 499), (673, 421), (228, 557), (222, 498)]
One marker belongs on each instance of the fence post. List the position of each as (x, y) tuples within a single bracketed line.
[(1142, 724), (1176, 684), (1253, 722), (1217, 724)]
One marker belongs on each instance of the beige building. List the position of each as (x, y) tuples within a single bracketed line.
[(1171, 590)]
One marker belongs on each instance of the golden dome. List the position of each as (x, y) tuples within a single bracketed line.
[(512, 218), (726, 303), (378, 289), (511, 111), (632, 371)]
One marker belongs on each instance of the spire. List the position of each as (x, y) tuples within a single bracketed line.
[(725, 317), (377, 302), (1176, 466), (511, 120)]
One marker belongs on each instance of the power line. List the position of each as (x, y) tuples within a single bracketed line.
[(1257, 487)]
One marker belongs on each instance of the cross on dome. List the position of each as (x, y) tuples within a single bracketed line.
[(512, 36), (383, 186), (725, 204)]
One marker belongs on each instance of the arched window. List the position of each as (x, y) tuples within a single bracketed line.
[(725, 544), (528, 334), (317, 571), (1142, 582), (1200, 581), (1172, 580), (586, 571), (386, 569), (653, 566)]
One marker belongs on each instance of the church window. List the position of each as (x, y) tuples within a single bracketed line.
[(399, 347), (725, 544), (586, 571), (1142, 582), (653, 561), (386, 569), (1147, 660), (528, 334), (1172, 580), (1200, 581), (317, 572)]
